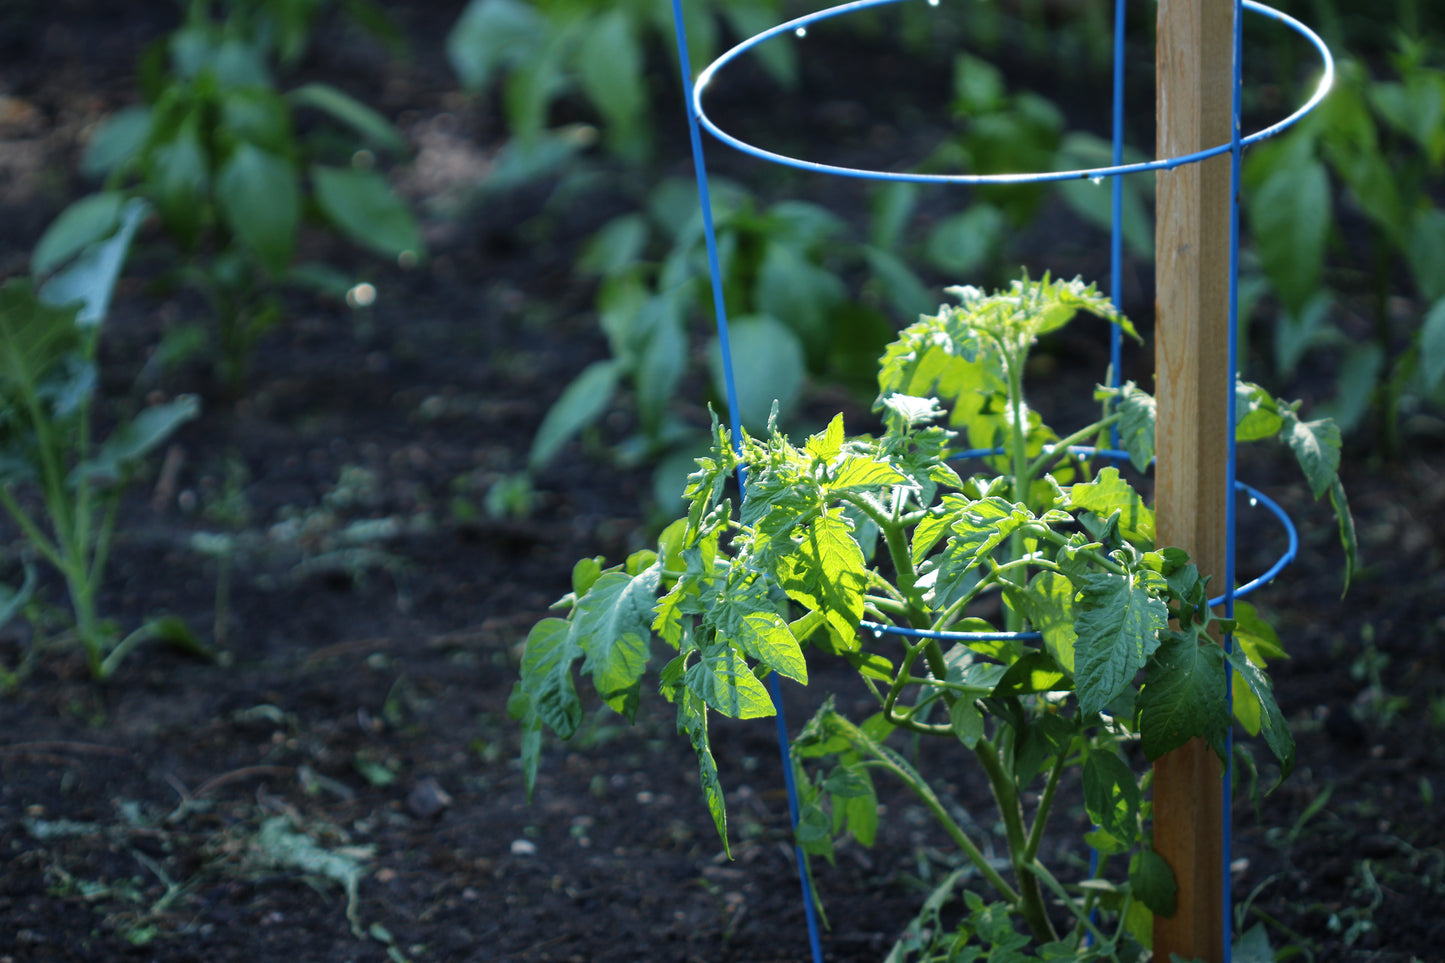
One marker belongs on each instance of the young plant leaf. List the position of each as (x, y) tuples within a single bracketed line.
[(1109, 493), (135, 439), (724, 682), (612, 625), (90, 219), (92, 276), (1118, 620), (268, 228), (365, 208), (1183, 695), (547, 675), (1153, 883), (826, 572), (1316, 445), (581, 403), (1273, 724), (1111, 794), (371, 126)]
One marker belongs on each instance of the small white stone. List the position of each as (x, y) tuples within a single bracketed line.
[(524, 847)]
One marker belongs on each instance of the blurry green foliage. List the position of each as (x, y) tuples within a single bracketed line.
[(215, 137), (1346, 218)]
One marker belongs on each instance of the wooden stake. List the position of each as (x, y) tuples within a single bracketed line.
[(1195, 82)]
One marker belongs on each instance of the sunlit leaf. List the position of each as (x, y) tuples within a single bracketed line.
[(724, 681), (1109, 493)]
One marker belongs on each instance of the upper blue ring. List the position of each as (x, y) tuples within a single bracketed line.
[(704, 78)]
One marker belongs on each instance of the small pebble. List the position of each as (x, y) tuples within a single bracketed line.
[(523, 847), (427, 798)]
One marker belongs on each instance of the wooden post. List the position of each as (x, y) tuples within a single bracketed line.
[(1195, 83)]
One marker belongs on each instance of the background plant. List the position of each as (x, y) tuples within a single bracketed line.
[(1368, 162), (217, 136), (48, 443), (844, 533), (537, 52)]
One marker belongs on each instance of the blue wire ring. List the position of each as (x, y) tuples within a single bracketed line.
[(1093, 173), (1254, 493)]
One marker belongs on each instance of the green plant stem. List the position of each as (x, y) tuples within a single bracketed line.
[(1042, 873), (1046, 803), (1030, 900), (887, 760), (1061, 447)]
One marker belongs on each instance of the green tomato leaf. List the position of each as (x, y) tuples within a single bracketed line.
[(1109, 493), (1183, 695), (1153, 883), (1137, 416), (519, 709), (364, 207), (1256, 413), (1048, 605), (725, 683), (259, 195), (692, 719), (1316, 446), (826, 572), (547, 675), (1276, 730), (1118, 620), (1347, 530), (1111, 794), (581, 403), (612, 625)]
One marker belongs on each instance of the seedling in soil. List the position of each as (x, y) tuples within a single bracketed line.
[(871, 549), (48, 345)]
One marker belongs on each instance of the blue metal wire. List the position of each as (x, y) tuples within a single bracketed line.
[(1226, 822), (730, 385), (1093, 173)]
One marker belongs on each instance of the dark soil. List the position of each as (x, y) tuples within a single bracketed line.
[(370, 613)]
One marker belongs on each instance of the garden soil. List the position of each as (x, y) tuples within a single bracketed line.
[(341, 784)]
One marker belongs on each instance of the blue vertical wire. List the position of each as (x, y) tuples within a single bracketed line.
[(1231, 466), (1116, 214), (730, 385)]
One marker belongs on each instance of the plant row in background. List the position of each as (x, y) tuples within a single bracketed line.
[(1372, 153), (217, 158), (866, 547)]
